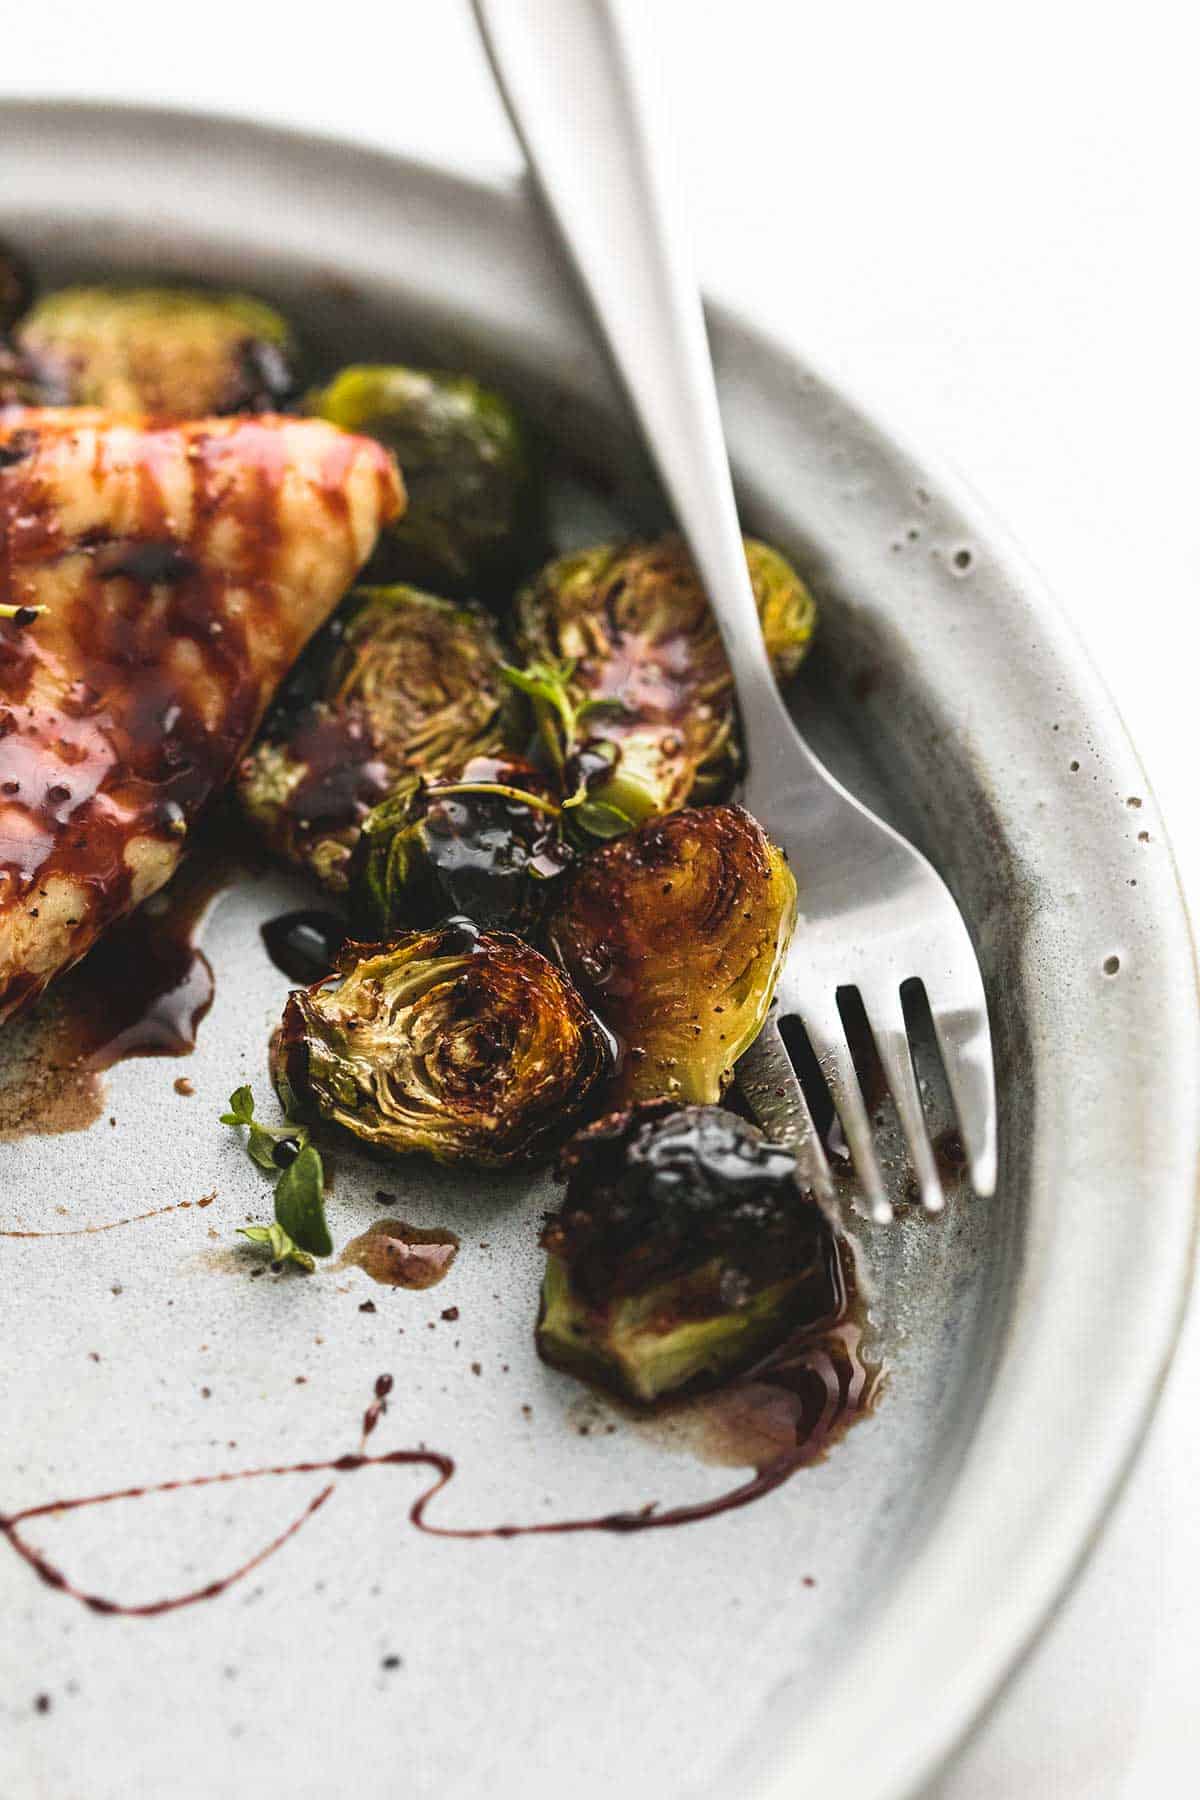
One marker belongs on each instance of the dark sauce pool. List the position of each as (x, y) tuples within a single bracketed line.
[(143, 990), (303, 944)]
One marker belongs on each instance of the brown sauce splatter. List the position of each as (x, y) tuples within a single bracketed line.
[(154, 1212), (402, 1255)]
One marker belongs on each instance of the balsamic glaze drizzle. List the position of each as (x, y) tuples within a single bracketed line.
[(109, 1224), (850, 1388)]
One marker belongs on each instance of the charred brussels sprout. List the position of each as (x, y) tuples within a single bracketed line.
[(401, 683), (485, 842), (471, 1047), (685, 1249), (675, 934), (174, 352), (643, 718), (466, 465)]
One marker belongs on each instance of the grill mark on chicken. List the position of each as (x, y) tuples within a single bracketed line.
[(183, 567)]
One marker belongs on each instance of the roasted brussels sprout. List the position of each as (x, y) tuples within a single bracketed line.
[(628, 677), (176, 353), (469, 1046), (466, 465), (675, 934), (685, 1248), (400, 683), (485, 842)]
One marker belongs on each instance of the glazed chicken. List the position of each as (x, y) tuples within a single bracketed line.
[(181, 569)]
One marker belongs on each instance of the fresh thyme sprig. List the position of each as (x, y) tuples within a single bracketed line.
[(546, 683), (299, 1232)]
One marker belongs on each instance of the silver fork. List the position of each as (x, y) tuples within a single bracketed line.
[(873, 913)]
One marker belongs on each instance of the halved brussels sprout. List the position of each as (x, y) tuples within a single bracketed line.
[(626, 633), (685, 1249), (466, 465), (177, 353), (469, 1046), (399, 683), (675, 934), (485, 842)]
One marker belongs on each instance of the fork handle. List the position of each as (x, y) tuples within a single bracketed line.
[(572, 91)]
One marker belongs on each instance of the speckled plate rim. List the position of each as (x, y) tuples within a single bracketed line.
[(1101, 1224)]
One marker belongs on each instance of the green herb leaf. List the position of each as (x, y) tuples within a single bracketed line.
[(280, 1245), (300, 1203), (546, 681), (299, 1231), (241, 1107), (611, 704), (547, 684), (261, 1139), (599, 819)]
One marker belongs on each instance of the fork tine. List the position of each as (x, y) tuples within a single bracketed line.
[(966, 1046), (775, 1096), (827, 1036), (886, 1015)]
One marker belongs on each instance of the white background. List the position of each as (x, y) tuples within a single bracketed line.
[(984, 219)]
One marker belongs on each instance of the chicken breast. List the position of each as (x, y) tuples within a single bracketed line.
[(182, 569)]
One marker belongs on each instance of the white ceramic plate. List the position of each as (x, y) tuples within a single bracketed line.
[(1026, 1337)]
